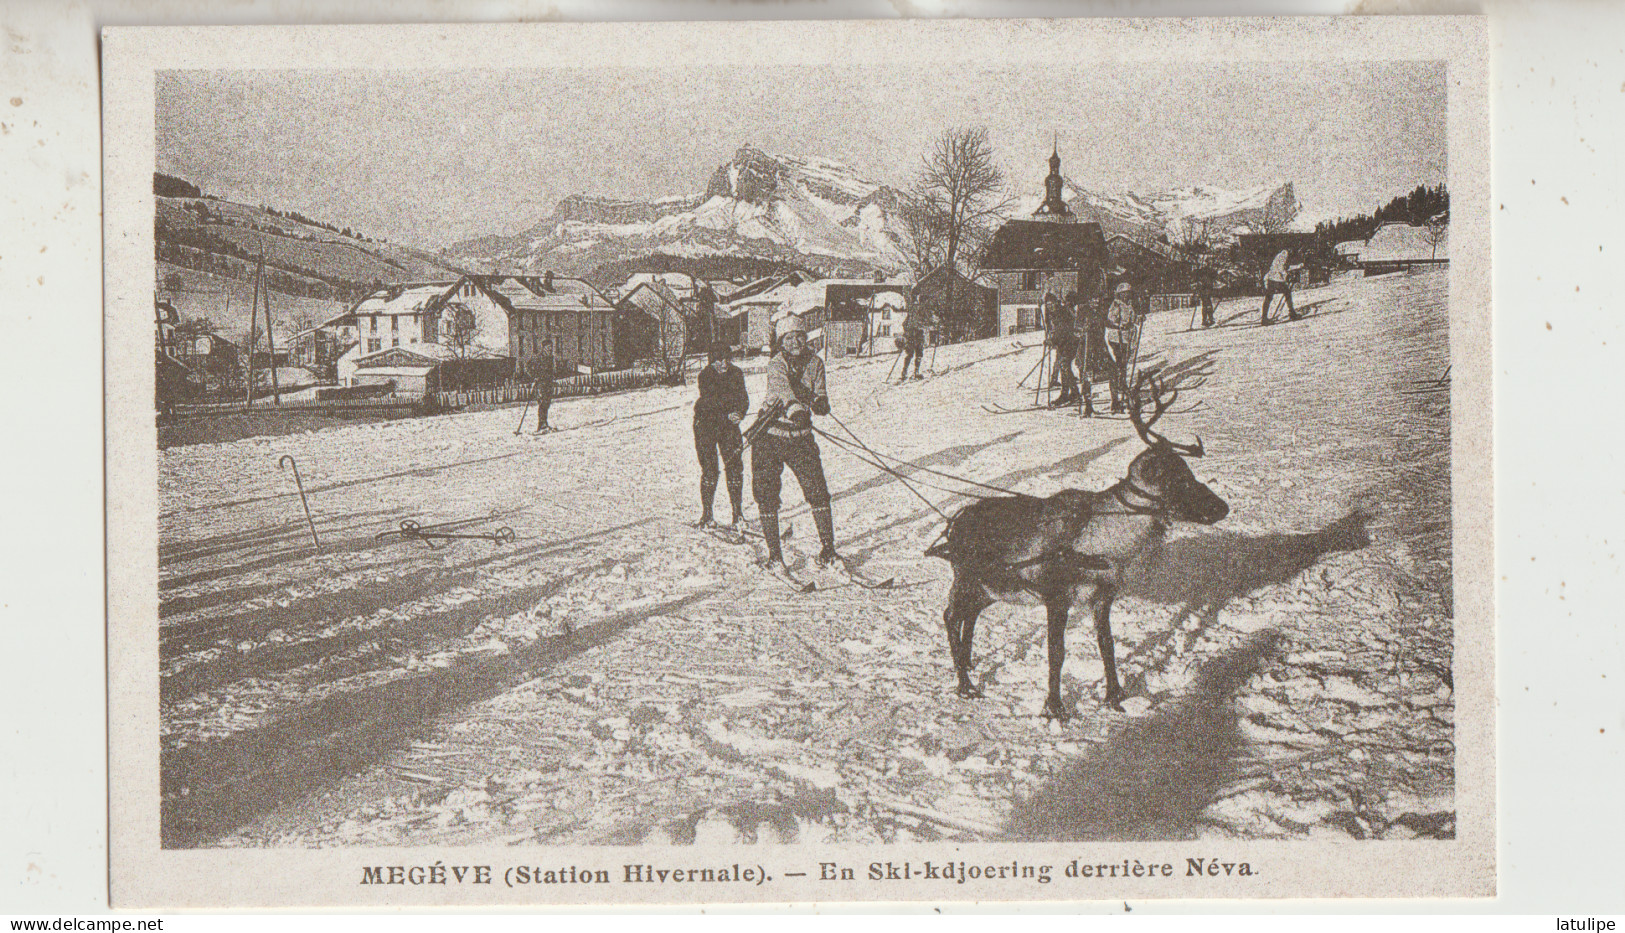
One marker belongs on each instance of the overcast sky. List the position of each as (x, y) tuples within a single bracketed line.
[(430, 157)]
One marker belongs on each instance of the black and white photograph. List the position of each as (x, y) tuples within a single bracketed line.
[(799, 462)]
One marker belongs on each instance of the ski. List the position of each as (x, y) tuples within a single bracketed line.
[(1001, 410), (724, 534), (752, 531), (576, 427), (741, 533), (782, 574), (840, 569)]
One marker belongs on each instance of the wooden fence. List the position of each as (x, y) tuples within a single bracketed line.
[(519, 391)]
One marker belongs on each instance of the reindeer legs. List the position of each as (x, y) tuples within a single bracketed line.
[(965, 603), (1057, 606), (1101, 602)]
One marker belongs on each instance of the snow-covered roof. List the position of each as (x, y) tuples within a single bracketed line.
[(1035, 244), (565, 295), (1397, 242), (680, 283), (1350, 247), (404, 299)]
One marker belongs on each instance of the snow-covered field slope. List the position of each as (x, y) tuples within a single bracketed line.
[(614, 676)]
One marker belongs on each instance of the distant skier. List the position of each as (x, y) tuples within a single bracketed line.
[(1204, 285), (1062, 324), (1121, 321), (795, 388), (721, 406), (913, 342), (1278, 281), (541, 371)]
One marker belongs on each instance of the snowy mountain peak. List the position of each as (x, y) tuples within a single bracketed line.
[(812, 211), (1181, 212)]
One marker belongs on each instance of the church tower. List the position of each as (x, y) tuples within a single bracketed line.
[(1054, 209)]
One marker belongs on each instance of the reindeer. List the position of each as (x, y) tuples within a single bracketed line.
[(1070, 548)]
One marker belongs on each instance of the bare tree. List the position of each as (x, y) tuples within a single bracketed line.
[(964, 189), (462, 327), (927, 232), (1434, 234)]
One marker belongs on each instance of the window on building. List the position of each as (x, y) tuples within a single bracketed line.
[(394, 341), (374, 344), (1031, 281), (394, 325)]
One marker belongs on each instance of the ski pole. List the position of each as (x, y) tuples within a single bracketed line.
[(522, 413), (287, 460), (893, 365)]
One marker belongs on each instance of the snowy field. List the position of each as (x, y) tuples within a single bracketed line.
[(613, 676)]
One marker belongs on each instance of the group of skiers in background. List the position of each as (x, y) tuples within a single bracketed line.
[(1099, 334), (1096, 334)]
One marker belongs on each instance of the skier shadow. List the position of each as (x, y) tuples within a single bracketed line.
[(1308, 310), (172, 552), (211, 788), (323, 609), (1153, 778), (349, 545)]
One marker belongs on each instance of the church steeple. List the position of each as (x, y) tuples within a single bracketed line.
[(1054, 208)]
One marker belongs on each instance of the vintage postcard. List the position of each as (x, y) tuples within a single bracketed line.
[(705, 463)]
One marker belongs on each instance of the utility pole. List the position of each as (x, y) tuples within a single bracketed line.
[(253, 320)]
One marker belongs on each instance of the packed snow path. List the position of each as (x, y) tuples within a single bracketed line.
[(614, 676)]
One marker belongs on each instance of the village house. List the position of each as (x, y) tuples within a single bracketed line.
[(1398, 246), (654, 326), (853, 310), (1163, 279), (319, 348), (566, 318), (974, 313), (1029, 259), (476, 330), (755, 303), (1051, 254), (173, 381)]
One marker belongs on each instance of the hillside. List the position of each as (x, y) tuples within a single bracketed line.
[(218, 240)]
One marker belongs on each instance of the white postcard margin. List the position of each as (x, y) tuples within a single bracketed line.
[(143, 875)]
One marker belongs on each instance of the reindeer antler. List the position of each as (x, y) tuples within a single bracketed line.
[(1163, 399)]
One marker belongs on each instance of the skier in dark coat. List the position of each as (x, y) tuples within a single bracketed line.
[(913, 342), (796, 390), (1060, 319), (1205, 285), (541, 371), (721, 406)]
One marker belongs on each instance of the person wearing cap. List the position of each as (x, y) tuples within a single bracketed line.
[(721, 406), (1120, 322), (795, 387)]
